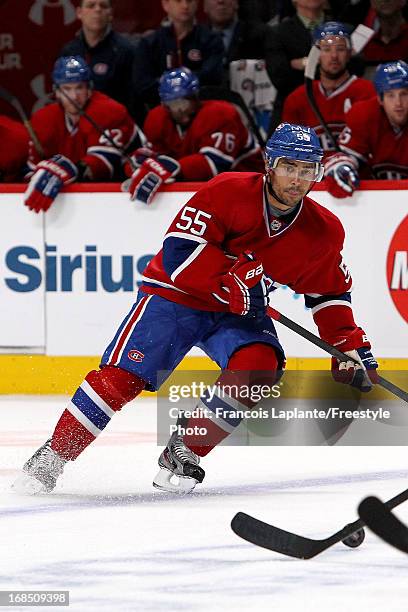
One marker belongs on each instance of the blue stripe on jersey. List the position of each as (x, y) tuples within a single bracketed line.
[(176, 251), (228, 412), (222, 164), (92, 412), (113, 158), (312, 302)]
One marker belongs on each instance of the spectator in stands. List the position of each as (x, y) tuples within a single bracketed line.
[(83, 134), (288, 47), (335, 92), (351, 11), (241, 39), (109, 55), (390, 43), (274, 11), (13, 151), (182, 42), (193, 140), (376, 134), (268, 11), (358, 11)]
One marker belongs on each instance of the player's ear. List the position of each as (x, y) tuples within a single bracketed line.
[(79, 11)]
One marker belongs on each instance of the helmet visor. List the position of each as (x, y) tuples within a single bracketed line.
[(304, 171)]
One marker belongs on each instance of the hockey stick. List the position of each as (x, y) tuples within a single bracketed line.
[(310, 71), (16, 104), (334, 352), (215, 92), (98, 128), (359, 39), (287, 543), (379, 518)]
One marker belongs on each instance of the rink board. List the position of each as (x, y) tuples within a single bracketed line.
[(68, 277)]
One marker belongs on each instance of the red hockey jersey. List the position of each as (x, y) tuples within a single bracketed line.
[(377, 51), (333, 106), (215, 141), (83, 142), (230, 215), (13, 149), (370, 138)]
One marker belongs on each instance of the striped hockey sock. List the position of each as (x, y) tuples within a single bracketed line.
[(101, 394), (232, 396)]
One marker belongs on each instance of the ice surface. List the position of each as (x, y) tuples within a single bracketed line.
[(117, 544)]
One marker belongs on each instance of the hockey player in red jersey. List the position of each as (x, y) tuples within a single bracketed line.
[(375, 138), (192, 140), (234, 242), (335, 92), (77, 148), (13, 150)]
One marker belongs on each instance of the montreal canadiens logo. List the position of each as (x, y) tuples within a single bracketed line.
[(276, 225), (100, 68), (195, 55), (135, 355), (248, 85), (397, 269)]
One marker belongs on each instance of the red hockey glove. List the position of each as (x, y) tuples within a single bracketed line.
[(248, 293), (150, 176), (138, 157), (362, 375), (341, 175), (48, 179)]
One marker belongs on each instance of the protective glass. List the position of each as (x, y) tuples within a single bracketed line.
[(300, 170)]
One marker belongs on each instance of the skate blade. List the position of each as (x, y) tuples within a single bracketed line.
[(182, 485), (28, 485)]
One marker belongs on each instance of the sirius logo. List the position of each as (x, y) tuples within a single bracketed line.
[(87, 271)]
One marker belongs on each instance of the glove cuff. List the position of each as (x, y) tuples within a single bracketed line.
[(62, 167), (352, 342), (339, 159)]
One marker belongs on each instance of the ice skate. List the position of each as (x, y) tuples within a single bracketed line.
[(40, 472), (179, 469)]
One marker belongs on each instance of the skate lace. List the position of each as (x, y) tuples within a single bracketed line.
[(183, 453), (45, 454), (46, 461)]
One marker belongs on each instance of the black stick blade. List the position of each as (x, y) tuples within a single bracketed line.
[(379, 518), (285, 542), (273, 538)]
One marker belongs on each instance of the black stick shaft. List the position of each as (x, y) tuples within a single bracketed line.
[(312, 61), (328, 348), (16, 104), (391, 503), (98, 128)]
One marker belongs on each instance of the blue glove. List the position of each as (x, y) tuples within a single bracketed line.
[(341, 175), (48, 179)]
